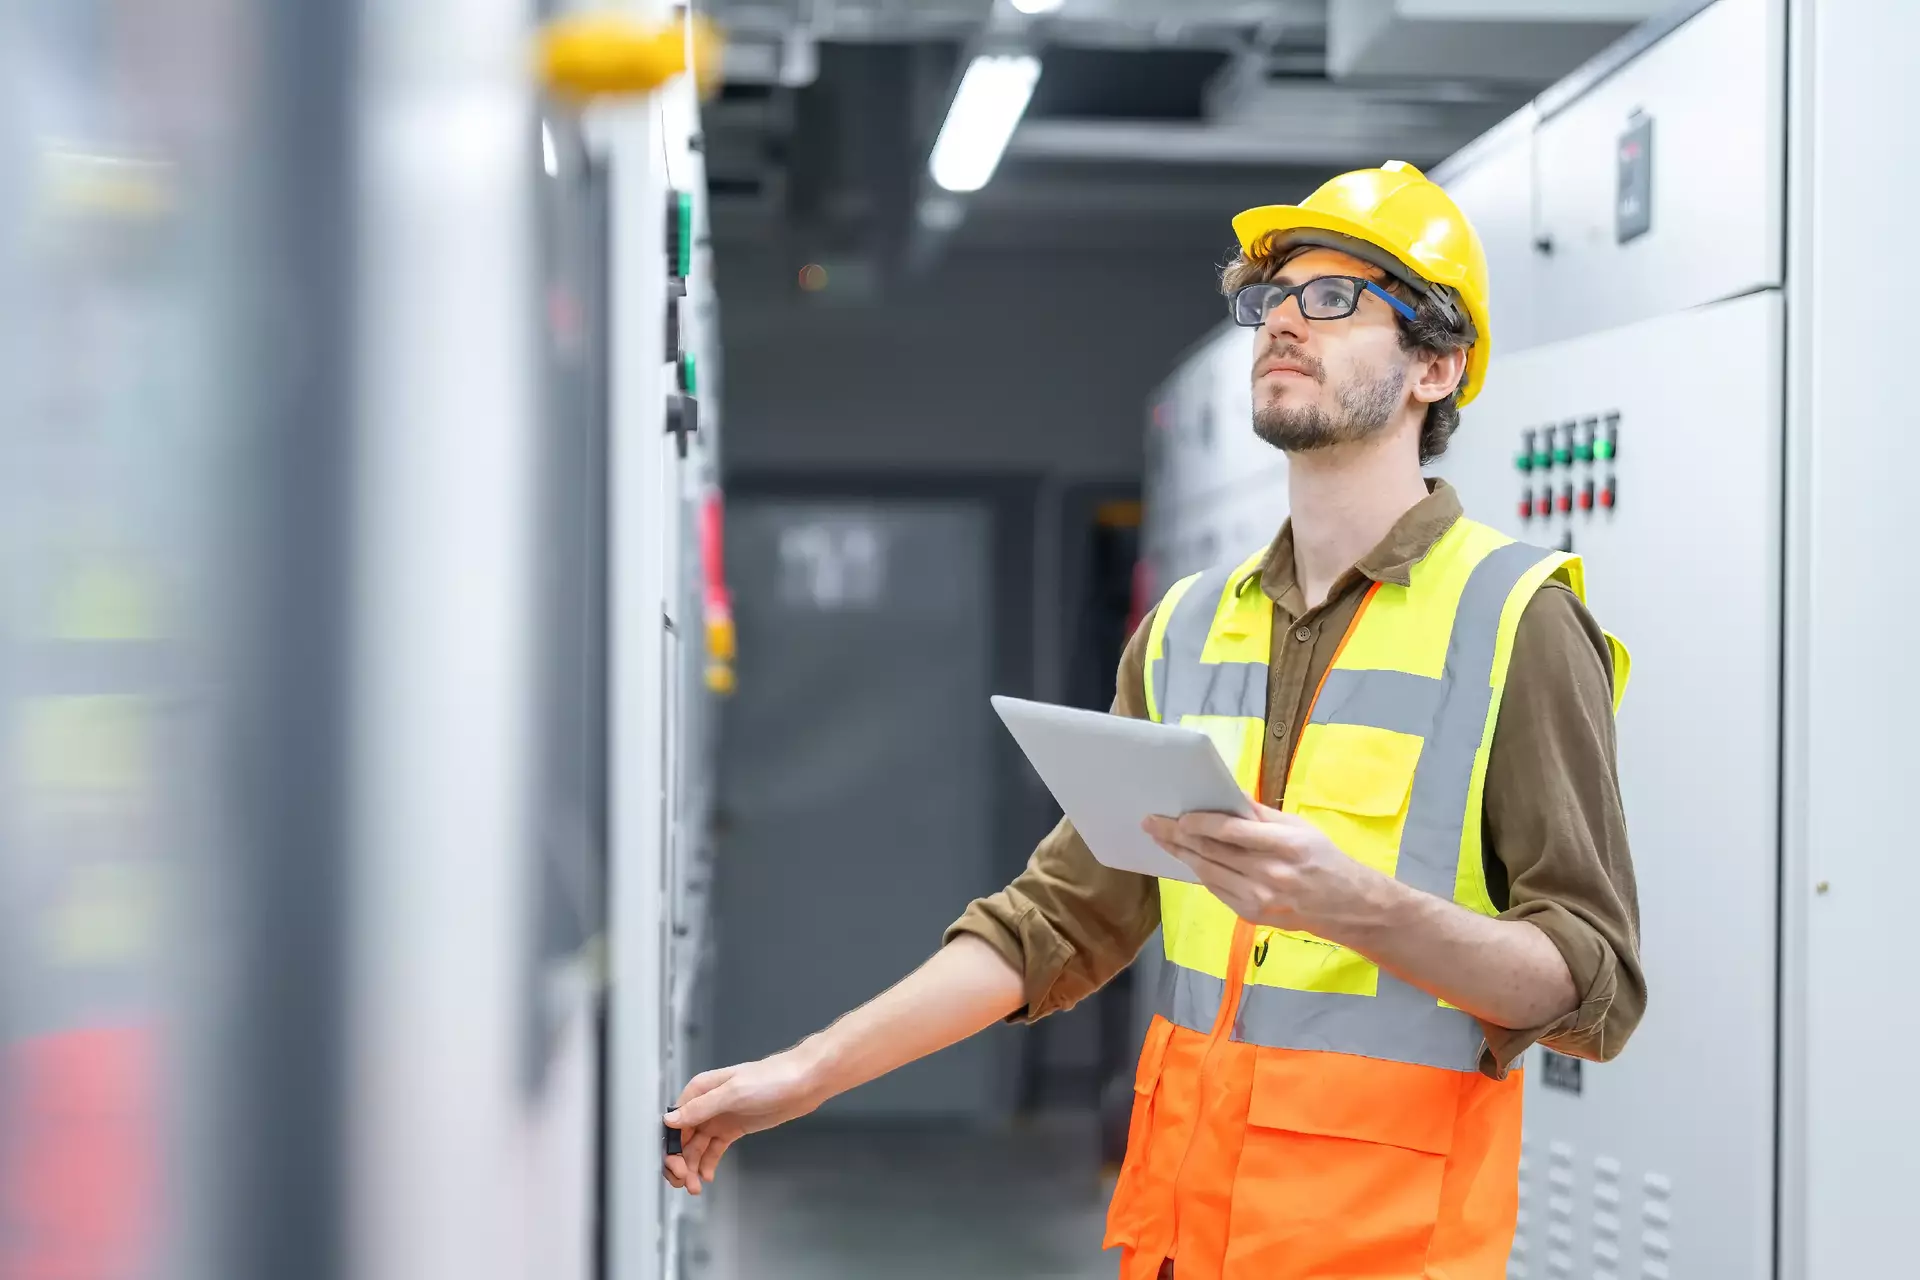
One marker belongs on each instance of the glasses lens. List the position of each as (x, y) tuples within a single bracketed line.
[(1330, 297), (1251, 304)]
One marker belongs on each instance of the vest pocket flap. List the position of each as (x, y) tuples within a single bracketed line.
[(1356, 768), (1340, 1095), (1153, 1054)]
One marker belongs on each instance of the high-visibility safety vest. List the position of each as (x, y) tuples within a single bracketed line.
[(1299, 1114)]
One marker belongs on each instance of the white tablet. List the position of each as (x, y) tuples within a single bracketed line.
[(1110, 773)]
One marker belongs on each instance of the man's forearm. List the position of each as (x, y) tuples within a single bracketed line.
[(964, 989), (1505, 972)]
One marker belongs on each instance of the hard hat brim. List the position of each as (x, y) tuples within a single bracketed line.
[(1288, 226)]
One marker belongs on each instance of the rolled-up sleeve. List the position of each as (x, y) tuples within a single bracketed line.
[(1556, 829), (1068, 923)]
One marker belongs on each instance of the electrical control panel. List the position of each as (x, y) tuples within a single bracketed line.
[(1634, 1167)]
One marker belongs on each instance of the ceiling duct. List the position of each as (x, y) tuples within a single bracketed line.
[(1522, 42)]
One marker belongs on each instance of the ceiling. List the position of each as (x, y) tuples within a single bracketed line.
[(1152, 122)]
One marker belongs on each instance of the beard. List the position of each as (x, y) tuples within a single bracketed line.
[(1366, 403)]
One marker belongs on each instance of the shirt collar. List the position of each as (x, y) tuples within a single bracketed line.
[(1390, 561)]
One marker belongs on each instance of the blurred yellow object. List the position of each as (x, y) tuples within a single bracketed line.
[(100, 744), (118, 187), (105, 600), (602, 54), (720, 677), (720, 638)]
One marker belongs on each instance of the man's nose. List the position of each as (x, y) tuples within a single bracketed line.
[(1287, 320)]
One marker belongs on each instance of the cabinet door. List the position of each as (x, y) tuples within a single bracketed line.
[(1662, 1161), (1705, 108)]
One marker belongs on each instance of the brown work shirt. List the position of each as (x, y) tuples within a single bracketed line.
[(1555, 837)]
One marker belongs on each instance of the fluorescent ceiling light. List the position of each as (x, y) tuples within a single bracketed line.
[(1036, 6), (992, 97)]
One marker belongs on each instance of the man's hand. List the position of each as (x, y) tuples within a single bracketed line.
[(718, 1108), (1283, 871), (965, 988), (1278, 870)]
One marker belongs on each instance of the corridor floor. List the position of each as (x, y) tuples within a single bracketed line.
[(891, 1203)]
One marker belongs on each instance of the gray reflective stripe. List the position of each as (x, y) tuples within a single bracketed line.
[(1397, 700), (1185, 686), (1229, 689), (1436, 813), (1189, 998), (1400, 1024), (1450, 713)]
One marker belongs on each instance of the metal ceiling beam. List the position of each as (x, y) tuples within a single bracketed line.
[(1287, 140)]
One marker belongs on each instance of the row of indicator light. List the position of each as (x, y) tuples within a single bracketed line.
[(1546, 447), (1546, 502)]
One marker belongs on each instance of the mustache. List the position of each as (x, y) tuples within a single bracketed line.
[(1288, 353)]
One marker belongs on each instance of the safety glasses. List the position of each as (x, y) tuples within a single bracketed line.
[(1321, 298)]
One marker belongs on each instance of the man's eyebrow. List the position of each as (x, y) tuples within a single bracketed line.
[(1364, 270)]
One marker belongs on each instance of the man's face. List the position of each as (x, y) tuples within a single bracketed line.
[(1318, 383)]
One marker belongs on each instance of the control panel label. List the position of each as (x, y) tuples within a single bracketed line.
[(1558, 1071)]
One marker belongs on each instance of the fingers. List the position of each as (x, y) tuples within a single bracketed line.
[(1225, 838), (695, 1149), (704, 1083), (697, 1110), (710, 1162), (698, 1162), (1250, 898), (1185, 839)]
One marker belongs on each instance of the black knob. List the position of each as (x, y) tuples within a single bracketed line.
[(683, 419)]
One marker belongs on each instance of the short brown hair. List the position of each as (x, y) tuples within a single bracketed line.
[(1431, 332)]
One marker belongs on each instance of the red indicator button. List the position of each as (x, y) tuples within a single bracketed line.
[(1566, 500), (1544, 505), (1606, 496), (1526, 505), (1586, 496)]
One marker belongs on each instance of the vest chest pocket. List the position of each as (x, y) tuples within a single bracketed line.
[(1353, 781)]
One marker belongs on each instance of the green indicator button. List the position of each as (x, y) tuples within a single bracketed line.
[(1543, 460), (684, 267), (1563, 456), (1603, 450), (1584, 453), (1524, 462), (689, 376)]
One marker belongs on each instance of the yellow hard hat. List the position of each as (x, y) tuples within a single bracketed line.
[(1399, 220)]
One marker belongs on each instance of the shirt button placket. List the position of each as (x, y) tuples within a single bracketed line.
[(1303, 635)]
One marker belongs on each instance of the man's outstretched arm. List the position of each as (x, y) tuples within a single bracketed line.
[(964, 988)]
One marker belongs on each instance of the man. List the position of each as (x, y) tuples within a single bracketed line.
[(1438, 876)]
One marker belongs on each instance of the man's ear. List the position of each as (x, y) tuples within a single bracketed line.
[(1438, 376)]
